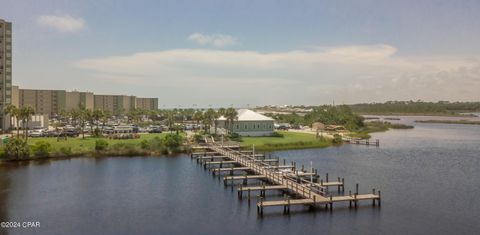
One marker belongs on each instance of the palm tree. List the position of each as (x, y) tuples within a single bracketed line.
[(26, 114), (83, 115), (231, 116), (221, 111), (105, 116), (170, 118), (209, 118), (74, 115), (11, 111), (97, 114), (198, 117)]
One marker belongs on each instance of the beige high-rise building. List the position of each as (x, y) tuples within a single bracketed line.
[(147, 103), (76, 99), (5, 69), (115, 104), (45, 102)]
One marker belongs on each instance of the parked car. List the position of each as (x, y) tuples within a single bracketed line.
[(35, 133), (155, 129), (51, 133), (69, 133)]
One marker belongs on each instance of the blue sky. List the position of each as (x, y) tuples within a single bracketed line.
[(250, 52)]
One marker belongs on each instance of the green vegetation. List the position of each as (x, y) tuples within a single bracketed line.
[(16, 148), (326, 114), (450, 122), (377, 126), (286, 140), (147, 144), (417, 108), (41, 149)]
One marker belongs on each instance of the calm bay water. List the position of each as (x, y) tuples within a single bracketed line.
[(429, 178)]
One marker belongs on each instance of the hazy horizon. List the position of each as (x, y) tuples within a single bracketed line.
[(249, 53)]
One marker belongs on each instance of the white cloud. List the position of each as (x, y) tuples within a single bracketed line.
[(66, 23), (347, 74), (216, 40)]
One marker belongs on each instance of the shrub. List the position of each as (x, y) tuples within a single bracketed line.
[(276, 134), (101, 145), (67, 151), (97, 132), (41, 149), (145, 144), (337, 139), (156, 144), (173, 141), (235, 137), (198, 138), (17, 148)]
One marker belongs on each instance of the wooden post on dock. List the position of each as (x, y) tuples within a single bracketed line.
[(326, 179), (350, 202), (258, 206), (343, 184), (355, 199), (331, 202), (248, 195), (373, 200), (338, 187), (379, 199), (288, 209)]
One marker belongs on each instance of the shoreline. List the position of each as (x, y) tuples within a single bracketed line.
[(86, 155), (418, 114), (461, 122)]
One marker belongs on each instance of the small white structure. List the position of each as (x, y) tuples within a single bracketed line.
[(36, 121), (248, 123)]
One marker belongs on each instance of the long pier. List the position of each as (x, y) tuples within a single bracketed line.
[(300, 187)]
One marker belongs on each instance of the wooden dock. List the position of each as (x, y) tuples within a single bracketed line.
[(359, 141), (300, 186)]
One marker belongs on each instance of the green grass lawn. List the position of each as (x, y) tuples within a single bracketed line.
[(290, 140), (79, 145)]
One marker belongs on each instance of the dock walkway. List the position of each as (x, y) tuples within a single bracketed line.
[(297, 183)]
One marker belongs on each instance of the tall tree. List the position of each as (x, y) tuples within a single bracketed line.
[(231, 115), (209, 117), (198, 117), (26, 114), (12, 111), (83, 116), (97, 114)]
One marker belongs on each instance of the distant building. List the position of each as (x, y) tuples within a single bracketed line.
[(5, 69), (116, 104), (43, 102), (248, 123), (76, 99), (147, 103)]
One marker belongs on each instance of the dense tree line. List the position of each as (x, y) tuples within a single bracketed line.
[(326, 114), (416, 107)]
